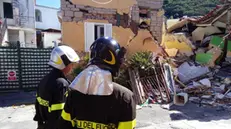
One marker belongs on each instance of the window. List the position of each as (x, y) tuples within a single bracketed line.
[(94, 31), (99, 31), (38, 15), (8, 10)]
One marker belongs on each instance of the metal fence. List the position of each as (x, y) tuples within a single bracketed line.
[(22, 68)]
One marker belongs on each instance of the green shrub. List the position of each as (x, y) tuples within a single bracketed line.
[(141, 60)]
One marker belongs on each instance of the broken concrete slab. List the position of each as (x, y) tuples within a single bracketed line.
[(178, 41), (187, 72), (219, 96), (201, 32), (205, 82)]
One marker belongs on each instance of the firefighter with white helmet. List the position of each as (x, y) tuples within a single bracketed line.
[(51, 91)]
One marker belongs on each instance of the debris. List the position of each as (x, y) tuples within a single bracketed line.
[(138, 107), (193, 98), (222, 87), (219, 96), (172, 52), (206, 97), (204, 58), (187, 72), (180, 99), (169, 77), (166, 106), (205, 82), (200, 32)]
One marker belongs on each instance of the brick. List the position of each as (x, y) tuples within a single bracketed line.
[(71, 6), (63, 6), (68, 3), (67, 19), (80, 6), (69, 13), (78, 14), (77, 19), (75, 9), (66, 9), (63, 2)]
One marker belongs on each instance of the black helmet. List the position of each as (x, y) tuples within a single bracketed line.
[(107, 54)]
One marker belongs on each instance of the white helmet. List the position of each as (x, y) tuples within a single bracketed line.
[(61, 56)]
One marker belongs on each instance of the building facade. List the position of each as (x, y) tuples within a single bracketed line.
[(47, 25), (17, 22), (135, 24)]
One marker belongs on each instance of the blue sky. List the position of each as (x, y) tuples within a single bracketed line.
[(49, 3)]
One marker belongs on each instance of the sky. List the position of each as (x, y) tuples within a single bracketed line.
[(49, 3)]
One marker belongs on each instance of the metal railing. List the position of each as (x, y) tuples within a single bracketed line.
[(29, 66)]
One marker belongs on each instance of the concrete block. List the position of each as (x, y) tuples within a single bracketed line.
[(69, 13), (78, 14)]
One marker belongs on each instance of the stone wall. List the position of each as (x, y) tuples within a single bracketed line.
[(76, 13)]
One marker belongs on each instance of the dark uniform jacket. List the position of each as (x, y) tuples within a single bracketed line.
[(116, 111), (50, 98)]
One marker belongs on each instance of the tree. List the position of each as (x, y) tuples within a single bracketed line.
[(179, 8)]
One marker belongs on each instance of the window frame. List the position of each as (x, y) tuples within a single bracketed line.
[(89, 33), (4, 11)]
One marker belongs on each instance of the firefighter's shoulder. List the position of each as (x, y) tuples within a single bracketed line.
[(122, 92), (62, 81)]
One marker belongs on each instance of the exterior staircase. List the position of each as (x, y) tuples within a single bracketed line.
[(3, 28)]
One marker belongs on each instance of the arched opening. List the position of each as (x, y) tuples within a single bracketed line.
[(38, 15)]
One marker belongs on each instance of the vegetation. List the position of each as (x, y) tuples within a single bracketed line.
[(179, 8), (80, 67)]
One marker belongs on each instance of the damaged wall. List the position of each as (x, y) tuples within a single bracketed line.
[(125, 27), (142, 42)]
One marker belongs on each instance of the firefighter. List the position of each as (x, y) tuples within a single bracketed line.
[(94, 100), (50, 96)]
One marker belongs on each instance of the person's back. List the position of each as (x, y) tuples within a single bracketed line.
[(95, 101), (103, 104), (50, 95)]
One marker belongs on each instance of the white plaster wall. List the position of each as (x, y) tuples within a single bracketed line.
[(13, 35), (49, 37), (49, 18)]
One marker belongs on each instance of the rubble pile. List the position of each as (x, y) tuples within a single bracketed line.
[(195, 64), (199, 50)]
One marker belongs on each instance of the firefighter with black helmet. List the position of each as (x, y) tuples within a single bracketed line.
[(94, 100), (51, 91)]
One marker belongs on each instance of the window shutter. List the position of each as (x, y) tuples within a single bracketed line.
[(108, 30), (89, 35)]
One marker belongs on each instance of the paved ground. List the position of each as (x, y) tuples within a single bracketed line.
[(188, 117)]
